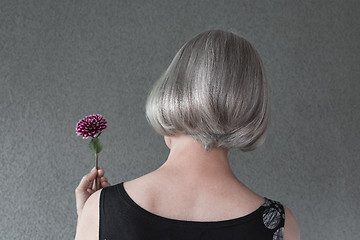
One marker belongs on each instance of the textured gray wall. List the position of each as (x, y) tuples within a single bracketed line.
[(62, 60)]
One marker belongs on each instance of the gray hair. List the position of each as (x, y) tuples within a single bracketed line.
[(214, 90)]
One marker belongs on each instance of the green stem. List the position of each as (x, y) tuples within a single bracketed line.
[(96, 166)]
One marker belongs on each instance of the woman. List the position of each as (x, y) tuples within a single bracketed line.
[(213, 97)]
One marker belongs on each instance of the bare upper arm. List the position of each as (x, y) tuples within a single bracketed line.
[(291, 229), (88, 222)]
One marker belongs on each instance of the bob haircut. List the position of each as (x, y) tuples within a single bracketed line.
[(214, 90)]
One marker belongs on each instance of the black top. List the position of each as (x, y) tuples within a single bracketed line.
[(121, 218)]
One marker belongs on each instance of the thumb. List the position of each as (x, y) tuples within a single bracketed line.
[(87, 180), (93, 173)]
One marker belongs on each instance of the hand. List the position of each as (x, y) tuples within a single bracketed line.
[(87, 187)]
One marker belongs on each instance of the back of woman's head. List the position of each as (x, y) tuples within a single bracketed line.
[(215, 90)]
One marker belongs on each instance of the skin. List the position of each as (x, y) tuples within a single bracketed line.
[(187, 187), (86, 189)]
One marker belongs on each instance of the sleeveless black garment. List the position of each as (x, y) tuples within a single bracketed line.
[(121, 218)]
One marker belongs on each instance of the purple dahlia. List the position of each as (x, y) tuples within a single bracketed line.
[(91, 125)]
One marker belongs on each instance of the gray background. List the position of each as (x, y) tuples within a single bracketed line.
[(62, 60)]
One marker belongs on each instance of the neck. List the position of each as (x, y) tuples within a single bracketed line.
[(189, 160)]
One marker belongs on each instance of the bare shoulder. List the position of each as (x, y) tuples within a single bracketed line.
[(291, 230), (143, 186), (88, 222)]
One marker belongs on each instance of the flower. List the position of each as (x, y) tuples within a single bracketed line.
[(91, 125)]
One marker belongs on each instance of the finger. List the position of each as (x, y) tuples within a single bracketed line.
[(90, 191), (103, 179), (87, 180), (95, 183), (100, 172), (104, 182)]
